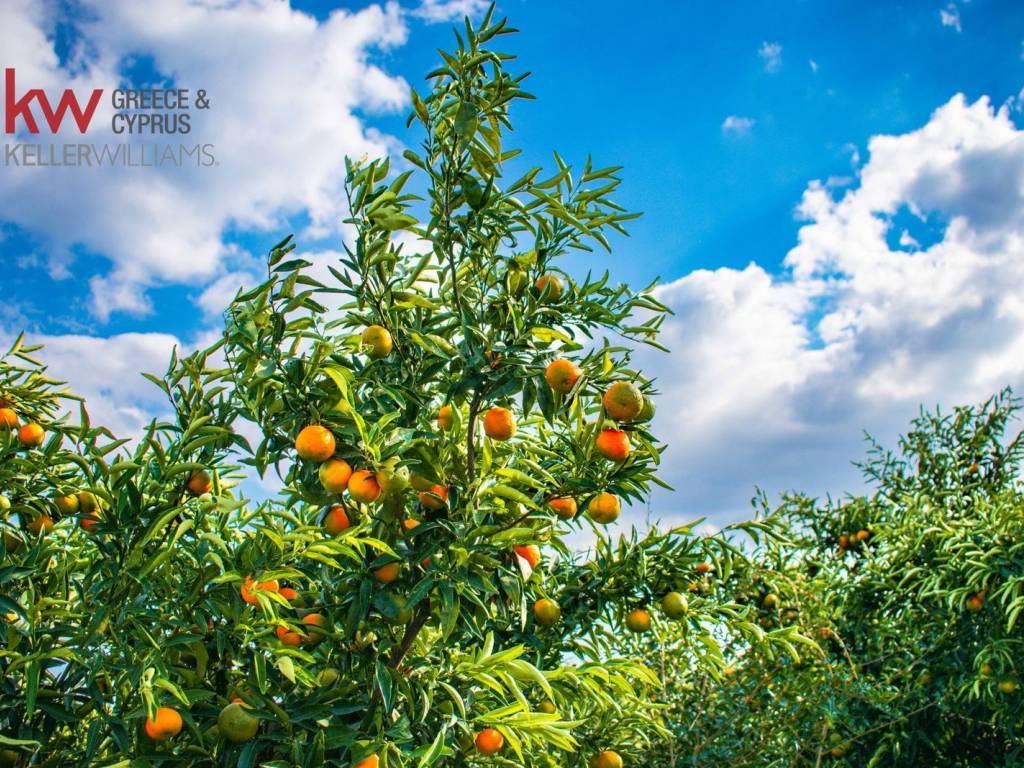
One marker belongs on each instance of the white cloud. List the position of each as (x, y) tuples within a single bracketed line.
[(813, 65), (950, 17), (434, 11), (771, 56), (737, 125), (772, 378), (281, 125)]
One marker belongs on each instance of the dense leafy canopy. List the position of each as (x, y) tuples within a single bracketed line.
[(441, 409)]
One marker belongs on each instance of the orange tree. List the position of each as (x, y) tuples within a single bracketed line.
[(913, 594), (440, 408)]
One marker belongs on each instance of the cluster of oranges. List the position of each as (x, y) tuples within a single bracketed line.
[(30, 434), (848, 541)]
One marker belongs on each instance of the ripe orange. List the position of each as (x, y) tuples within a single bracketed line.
[(608, 759), (704, 568), (167, 724), (434, 498), (336, 520), (844, 541), (88, 522), (368, 762), (489, 742), (409, 523), (562, 375), (387, 573), (445, 417), (564, 507), (316, 627), (66, 505), (237, 725), (771, 600), (289, 594), (8, 419), (863, 534), (379, 341), (199, 483), (529, 552), (613, 444), (363, 486), (604, 508), (315, 443), (623, 401), (638, 620), (31, 435), (552, 283), (250, 588), (40, 523), (975, 603), (288, 637), (334, 475), (546, 612), (499, 424), (1008, 686)]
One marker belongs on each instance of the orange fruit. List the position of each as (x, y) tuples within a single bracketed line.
[(8, 418), (31, 435), (363, 486), (88, 522), (863, 534), (167, 724), (336, 520), (529, 552), (613, 444), (289, 594), (675, 605), (436, 497), (975, 603), (87, 503), (608, 759), (387, 573), (378, 339), (1008, 686), (237, 725), (316, 627), (288, 637), (604, 508), (368, 762), (623, 401), (638, 620), (489, 741), (704, 567), (40, 523), (546, 612), (445, 417), (564, 507), (315, 443), (562, 375), (66, 505), (771, 600), (250, 588), (199, 483), (844, 541), (409, 523), (499, 424), (547, 707), (334, 475), (552, 283), (647, 412)]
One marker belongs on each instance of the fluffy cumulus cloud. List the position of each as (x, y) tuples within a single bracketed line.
[(286, 95), (450, 10), (901, 290)]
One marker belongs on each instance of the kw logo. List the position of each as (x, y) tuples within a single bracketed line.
[(15, 107)]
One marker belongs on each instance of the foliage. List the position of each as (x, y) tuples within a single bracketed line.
[(917, 619), (186, 596)]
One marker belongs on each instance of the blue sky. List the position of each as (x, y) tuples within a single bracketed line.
[(725, 118)]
